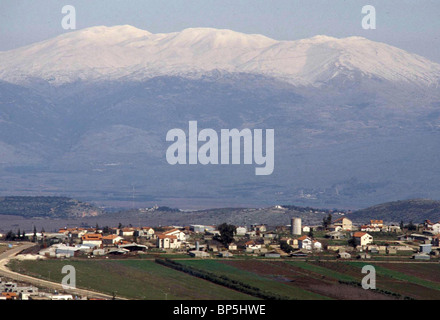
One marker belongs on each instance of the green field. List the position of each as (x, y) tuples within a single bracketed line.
[(135, 279), (268, 283), (323, 271), (146, 279), (402, 281)]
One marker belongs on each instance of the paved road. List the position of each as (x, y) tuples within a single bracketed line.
[(5, 272)]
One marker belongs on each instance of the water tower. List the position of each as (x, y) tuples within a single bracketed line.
[(295, 226)]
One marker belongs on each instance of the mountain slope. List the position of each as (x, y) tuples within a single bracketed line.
[(52, 207), (416, 210), (127, 53)]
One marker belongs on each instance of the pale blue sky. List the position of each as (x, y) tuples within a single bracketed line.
[(411, 25)]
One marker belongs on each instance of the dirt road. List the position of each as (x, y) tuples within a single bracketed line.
[(5, 272)]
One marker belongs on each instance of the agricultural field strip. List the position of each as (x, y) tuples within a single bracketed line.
[(144, 281), (321, 270), (381, 269), (263, 282)]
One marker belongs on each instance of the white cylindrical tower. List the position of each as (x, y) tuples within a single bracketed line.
[(295, 228)]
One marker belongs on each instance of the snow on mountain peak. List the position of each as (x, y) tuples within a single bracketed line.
[(110, 53)]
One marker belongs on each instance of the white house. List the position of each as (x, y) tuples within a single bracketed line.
[(308, 244), (334, 228), (147, 232), (317, 245), (240, 231), (305, 243), (177, 233), (252, 245), (362, 238), (377, 223), (127, 232), (94, 239), (370, 228), (433, 227), (111, 240), (168, 241)]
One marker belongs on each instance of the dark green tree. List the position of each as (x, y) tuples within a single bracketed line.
[(10, 236), (327, 221), (352, 242), (411, 226), (34, 237), (135, 235), (227, 232), (285, 247)]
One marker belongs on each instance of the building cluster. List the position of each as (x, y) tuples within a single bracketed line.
[(339, 237), (14, 291)]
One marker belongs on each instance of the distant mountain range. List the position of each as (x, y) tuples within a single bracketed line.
[(416, 210), (71, 210), (47, 207), (86, 114)]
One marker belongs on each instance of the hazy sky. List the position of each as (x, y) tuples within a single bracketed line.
[(411, 25)]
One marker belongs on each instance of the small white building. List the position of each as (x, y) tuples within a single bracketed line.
[(307, 243), (94, 239), (433, 227), (306, 229), (147, 232), (111, 240), (168, 241), (362, 238), (251, 245), (181, 236), (240, 231)]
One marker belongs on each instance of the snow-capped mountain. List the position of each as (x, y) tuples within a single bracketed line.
[(128, 53), (356, 122)]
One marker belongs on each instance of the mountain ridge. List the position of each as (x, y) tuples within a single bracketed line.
[(127, 53)]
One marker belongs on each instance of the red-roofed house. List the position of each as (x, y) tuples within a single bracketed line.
[(92, 239), (165, 241), (111, 240), (433, 227), (377, 223), (362, 238)]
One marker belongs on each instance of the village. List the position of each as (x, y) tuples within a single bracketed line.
[(333, 240), (340, 238)]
